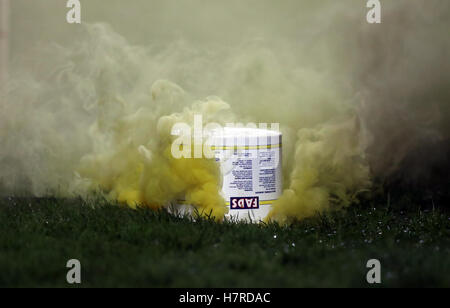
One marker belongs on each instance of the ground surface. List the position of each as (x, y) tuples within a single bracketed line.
[(126, 248)]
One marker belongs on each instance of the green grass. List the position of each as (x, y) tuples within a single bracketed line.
[(119, 247)]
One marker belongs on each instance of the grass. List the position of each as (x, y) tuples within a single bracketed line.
[(119, 247)]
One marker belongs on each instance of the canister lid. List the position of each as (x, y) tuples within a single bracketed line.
[(244, 136), (238, 136)]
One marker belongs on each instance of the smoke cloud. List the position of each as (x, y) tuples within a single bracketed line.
[(88, 109)]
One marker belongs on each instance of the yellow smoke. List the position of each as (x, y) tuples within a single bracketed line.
[(329, 166), (139, 169), (329, 171)]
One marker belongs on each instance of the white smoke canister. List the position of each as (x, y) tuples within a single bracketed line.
[(250, 163)]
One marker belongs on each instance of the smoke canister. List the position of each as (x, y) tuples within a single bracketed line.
[(250, 163)]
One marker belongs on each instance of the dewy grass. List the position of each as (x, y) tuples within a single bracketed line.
[(118, 246)]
